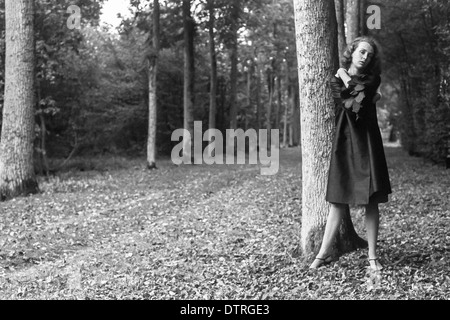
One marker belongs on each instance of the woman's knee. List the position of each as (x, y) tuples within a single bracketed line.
[(339, 206), (372, 208)]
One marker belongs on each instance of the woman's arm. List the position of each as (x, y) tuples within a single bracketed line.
[(377, 96), (343, 74)]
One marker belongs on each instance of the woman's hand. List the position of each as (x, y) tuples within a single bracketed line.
[(376, 97), (343, 75), (341, 72)]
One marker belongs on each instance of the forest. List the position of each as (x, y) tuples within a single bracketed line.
[(88, 112), (92, 83)]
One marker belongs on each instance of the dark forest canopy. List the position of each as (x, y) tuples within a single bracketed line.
[(92, 83)]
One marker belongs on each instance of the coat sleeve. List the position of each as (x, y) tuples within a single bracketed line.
[(336, 89), (340, 92)]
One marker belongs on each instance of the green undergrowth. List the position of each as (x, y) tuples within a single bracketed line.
[(119, 231)]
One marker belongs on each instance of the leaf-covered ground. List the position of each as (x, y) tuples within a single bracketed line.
[(214, 232)]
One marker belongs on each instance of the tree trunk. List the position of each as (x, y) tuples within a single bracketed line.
[(363, 31), (17, 175), (43, 146), (293, 116), (296, 117), (279, 102), (270, 87), (189, 70), (352, 20), (234, 62), (340, 15), (285, 126), (249, 85), (213, 57), (258, 93), (42, 154), (152, 90), (316, 30)]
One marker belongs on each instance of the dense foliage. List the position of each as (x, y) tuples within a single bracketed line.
[(93, 83), (415, 36)]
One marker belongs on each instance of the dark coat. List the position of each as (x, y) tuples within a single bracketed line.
[(358, 171)]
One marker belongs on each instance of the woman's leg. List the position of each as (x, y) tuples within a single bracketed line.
[(372, 224), (334, 220)]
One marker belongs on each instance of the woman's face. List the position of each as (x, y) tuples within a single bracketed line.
[(362, 56)]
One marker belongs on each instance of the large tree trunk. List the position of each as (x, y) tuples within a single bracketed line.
[(234, 62), (189, 70), (17, 175), (152, 90), (340, 15), (316, 31), (213, 57), (352, 19)]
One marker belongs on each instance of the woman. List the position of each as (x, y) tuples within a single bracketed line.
[(358, 172)]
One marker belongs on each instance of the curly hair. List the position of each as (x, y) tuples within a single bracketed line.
[(374, 67)]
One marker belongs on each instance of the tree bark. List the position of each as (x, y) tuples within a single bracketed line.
[(352, 19), (17, 175), (152, 89), (340, 16), (213, 57), (189, 70), (317, 50)]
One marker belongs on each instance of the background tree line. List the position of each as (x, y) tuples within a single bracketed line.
[(92, 84), (231, 64)]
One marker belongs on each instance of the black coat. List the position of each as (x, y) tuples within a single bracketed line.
[(358, 171)]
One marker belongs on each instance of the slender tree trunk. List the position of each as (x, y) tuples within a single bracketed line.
[(363, 31), (249, 85), (296, 116), (340, 15), (258, 94), (152, 90), (292, 117), (352, 19), (234, 62), (42, 154), (285, 126), (279, 102), (17, 175), (270, 88), (189, 70), (43, 146), (213, 57), (316, 30)]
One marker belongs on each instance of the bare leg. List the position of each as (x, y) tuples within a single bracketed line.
[(334, 220), (372, 224)]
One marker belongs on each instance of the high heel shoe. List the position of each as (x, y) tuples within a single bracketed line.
[(378, 266), (321, 262)]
